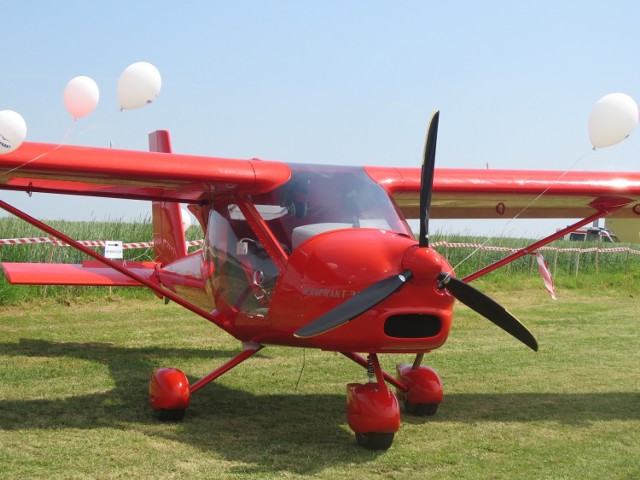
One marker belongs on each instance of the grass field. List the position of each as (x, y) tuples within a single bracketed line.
[(75, 364), (73, 395)]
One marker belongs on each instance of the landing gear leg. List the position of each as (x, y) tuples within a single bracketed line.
[(372, 410), (169, 390)]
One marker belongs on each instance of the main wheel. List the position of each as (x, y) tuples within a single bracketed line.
[(171, 414), (375, 441), (420, 409)]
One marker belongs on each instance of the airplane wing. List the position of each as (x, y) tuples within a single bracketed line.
[(457, 193), (463, 193), (139, 175)]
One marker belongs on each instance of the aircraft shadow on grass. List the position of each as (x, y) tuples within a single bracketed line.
[(231, 422), (238, 424)]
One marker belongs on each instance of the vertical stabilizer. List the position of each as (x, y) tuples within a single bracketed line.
[(168, 234)]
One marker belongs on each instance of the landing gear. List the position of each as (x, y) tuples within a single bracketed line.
[(373, 412), (171, 414), (420, 409), (375, 441), (169, 390), (423, 392), (169, 393)]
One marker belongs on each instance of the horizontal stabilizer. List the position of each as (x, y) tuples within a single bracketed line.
[(89, 273)]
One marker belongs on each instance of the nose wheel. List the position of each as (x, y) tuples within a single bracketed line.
[(373, 412)]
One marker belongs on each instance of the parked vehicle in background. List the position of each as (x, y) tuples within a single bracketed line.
[(592, 234)]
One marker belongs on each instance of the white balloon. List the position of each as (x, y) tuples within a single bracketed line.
[(186, 219), (81, 96), (13, 131), (139, 84), (612, 119)]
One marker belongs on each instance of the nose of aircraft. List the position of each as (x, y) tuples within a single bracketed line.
[(425, 264), (364, 259)]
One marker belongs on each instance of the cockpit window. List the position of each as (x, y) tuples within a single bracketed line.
[(330, 197)]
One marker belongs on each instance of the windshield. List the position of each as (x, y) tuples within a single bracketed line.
[(328, 198)]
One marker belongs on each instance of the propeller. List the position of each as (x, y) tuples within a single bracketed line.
[(488, 308), (426, 180), (356, 305), (379, 291)]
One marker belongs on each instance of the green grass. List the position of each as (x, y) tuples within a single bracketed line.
[(73, 396), (75, 363)]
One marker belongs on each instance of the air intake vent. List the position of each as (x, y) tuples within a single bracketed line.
[(412, 326)]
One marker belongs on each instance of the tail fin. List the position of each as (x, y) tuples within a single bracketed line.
[(168, 234)]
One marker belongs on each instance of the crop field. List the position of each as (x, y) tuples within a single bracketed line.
[(74, 367), (572, 263)]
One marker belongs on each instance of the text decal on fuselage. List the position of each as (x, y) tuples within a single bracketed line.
[(328, 293)]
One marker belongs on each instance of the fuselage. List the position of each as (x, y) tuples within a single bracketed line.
[(340, 232)]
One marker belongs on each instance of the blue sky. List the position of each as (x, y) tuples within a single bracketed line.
[(329, 82)]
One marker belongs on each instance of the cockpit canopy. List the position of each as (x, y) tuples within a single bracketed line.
[(316, 199)]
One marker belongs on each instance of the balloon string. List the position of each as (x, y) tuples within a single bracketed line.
[(64, 142), (524, 209)]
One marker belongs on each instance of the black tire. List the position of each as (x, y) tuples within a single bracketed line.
[(375, 441), (171, 414), (420, 409)]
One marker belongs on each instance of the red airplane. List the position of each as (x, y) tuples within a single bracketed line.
[(307, 255)]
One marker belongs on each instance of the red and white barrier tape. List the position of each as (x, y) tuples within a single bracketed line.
[(545, 273), (543, 268), (548, 249), (86, 243), (24, 241), (101, 243)]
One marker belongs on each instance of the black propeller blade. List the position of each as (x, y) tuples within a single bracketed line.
[(488, 308), (356, 305), (426, 181)]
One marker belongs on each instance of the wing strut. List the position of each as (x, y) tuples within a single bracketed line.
[(215, 319), (605, 207), (262, 231)]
